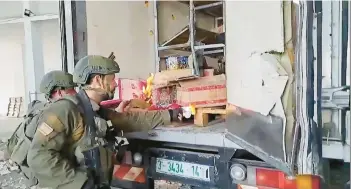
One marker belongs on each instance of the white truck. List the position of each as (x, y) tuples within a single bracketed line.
[(287, 68)]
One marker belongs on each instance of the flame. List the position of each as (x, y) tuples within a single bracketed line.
[(148, 90), (192, 109)]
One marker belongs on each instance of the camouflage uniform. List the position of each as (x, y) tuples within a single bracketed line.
[(20, 141), (56, 154)]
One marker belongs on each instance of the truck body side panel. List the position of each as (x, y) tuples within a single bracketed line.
[(260, 78), (125, 28)]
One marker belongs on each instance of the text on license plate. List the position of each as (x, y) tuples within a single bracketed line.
[(183, 169)]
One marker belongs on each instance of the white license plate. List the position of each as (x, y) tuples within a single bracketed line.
[(183, 169)]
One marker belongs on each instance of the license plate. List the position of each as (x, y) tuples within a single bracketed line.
[(183, 169)]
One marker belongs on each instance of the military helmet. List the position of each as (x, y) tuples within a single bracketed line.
[(55, 79), (93, 64)]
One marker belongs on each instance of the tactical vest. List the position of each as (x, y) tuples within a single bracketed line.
[(83, 144), (92, 151), (19, 143)]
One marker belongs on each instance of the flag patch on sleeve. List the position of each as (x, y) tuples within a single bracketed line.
[(45, 129)]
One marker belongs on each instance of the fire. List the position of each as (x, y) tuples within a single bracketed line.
[(148, 90), (192, 109)]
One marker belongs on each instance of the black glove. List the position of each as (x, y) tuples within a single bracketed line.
[(104, 187), (89, 184), (176, 115)]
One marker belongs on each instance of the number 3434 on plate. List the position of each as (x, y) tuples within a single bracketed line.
[(183, 169)]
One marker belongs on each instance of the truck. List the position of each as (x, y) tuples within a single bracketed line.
[(287, 67)]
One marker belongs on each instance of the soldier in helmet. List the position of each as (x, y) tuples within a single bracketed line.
[(54, 85), (69, 148), (57, 84)]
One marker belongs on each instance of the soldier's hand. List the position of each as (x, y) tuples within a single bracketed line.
[(122, 106), (176, 115)]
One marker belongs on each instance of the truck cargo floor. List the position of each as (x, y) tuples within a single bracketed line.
[(213, 135)]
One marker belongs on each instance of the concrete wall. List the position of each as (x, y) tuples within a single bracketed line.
[(12, 46), (11, 53)]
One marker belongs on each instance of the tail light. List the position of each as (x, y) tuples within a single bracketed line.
[(276, 179), (308, 181), (265, 178)]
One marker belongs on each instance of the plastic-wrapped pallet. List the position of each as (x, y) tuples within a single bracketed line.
[(14, 107)]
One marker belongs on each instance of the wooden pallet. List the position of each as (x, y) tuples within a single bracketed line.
[(14, 107), (201, 117)]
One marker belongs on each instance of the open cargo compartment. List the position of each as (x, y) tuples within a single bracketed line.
[(260, 82), (261, 79), (268, 131)]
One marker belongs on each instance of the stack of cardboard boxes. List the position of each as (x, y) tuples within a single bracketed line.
[(181, 87)]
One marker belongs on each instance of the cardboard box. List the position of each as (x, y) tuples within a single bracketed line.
[(203, 92), (130, 88), (164, 96), (177, 74), (208, 72)]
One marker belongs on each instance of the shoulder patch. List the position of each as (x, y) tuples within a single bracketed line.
[(53, 122), (45, 129), (78, 132)]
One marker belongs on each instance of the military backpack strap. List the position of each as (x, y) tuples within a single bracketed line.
[(12, 141)]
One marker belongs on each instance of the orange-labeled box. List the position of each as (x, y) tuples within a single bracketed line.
[(203, 92)]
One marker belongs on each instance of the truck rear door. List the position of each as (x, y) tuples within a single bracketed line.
[(270, 80)]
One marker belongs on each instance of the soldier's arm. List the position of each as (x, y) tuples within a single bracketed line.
[(138, 120), (45, 154)]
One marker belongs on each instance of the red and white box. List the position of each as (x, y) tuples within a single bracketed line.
[(130, 88)]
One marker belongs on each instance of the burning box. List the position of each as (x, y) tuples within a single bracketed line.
[(164, 96), (202, 92)]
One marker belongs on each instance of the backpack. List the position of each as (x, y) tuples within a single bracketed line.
[(18, 144)]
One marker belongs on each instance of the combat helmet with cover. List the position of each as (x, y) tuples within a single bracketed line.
[(93, 64), (56, 79)]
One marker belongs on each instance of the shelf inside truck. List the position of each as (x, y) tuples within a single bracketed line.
[(213, 8), (202, 35), (214, 135)]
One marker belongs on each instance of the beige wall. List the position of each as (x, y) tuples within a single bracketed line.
[(127, 29), (124, 28)]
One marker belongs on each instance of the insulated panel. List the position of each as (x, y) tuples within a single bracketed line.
[(126, 28), (243, 21)]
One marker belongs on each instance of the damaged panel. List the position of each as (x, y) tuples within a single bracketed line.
[(261, 79)]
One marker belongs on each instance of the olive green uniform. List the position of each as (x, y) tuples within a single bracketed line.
[(20, 141), (55, 154)]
